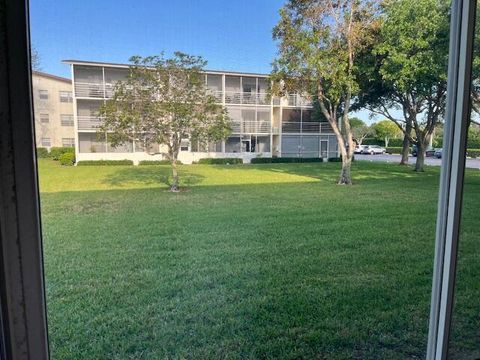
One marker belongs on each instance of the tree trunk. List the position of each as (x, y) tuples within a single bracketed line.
[(406, 144), (345, 175), (174, 187), (386, 142), (419, 164)]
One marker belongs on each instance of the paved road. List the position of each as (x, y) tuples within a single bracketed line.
[(471, 163)]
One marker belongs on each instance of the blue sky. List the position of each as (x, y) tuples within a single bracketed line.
[(230, 35)]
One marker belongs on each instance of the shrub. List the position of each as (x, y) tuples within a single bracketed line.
[(67, 159), (220, 161), (335, 159), (394, 150), (278, 160), (157, 162), (56, 152), (104, 162), (42, 153), (474, 153)]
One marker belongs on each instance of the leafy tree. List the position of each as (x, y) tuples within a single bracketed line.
[(318, 44), (164, 101), (360, 130), (386, 130), (410, 69)]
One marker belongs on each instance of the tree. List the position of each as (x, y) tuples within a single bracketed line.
[(35, 59), (410, 74), (164, 101), (360, 130), (318, 42), (386, 130)]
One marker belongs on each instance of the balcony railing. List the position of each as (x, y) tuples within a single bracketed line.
[(89, 122), (306, 127), (89, 90), (298, 101), (250, 98), (100, 90), (251, 127), (217, 94)]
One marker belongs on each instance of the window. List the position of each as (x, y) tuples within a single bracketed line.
[(44, 118), (184, 145), (68, 142), (66, 96), (46, 142), (66, 120), (43, 94)]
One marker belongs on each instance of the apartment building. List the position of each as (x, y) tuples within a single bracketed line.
[(53, 110), (262, 126)]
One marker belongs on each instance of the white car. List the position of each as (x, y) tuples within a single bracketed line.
[(373, 150), (359, 149)]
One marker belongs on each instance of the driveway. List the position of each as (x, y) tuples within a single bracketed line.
[(471, 163)]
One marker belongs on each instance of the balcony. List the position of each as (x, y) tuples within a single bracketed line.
[(89, 90), (217, 94), (251, 127), (250, 98), (306, 127), (89, 122), (296, 100)]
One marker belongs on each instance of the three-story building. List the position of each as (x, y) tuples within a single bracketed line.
[(261, 125)]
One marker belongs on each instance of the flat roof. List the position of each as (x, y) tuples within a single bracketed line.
[(51, 76), (125, 66)]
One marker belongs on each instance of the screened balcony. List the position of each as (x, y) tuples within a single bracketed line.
[(89, 122), (313, 127)]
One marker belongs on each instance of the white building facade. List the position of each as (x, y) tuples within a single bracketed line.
[(53, 110), (262, 127)]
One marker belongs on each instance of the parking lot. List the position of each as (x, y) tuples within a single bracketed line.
[(471, 163)]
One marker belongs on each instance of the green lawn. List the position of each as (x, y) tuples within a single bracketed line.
[(265, 261)]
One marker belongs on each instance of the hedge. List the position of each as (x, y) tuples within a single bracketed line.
[(220, 161), (474, 153), (104, 162), (157, 162), (284, 160), (42, 153), (56, 152), (394, 150), (67, 159)]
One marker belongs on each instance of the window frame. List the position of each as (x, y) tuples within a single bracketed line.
[(23, 331), (23, 327), (42, 97), (68, 97), (44, 116), (63, 122)]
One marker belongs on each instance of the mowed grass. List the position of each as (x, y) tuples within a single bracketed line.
[(266, 261)]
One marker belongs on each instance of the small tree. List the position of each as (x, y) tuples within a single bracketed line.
[(386, 130), (35, 59), (360, 130), (318, 46), (164, 102)]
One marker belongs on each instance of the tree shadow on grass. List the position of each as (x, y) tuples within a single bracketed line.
[(362, 172), (151, 175)]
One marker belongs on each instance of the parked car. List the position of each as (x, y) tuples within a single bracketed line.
[(438, 153), (373, 149), (430, 153), (359, 149)]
